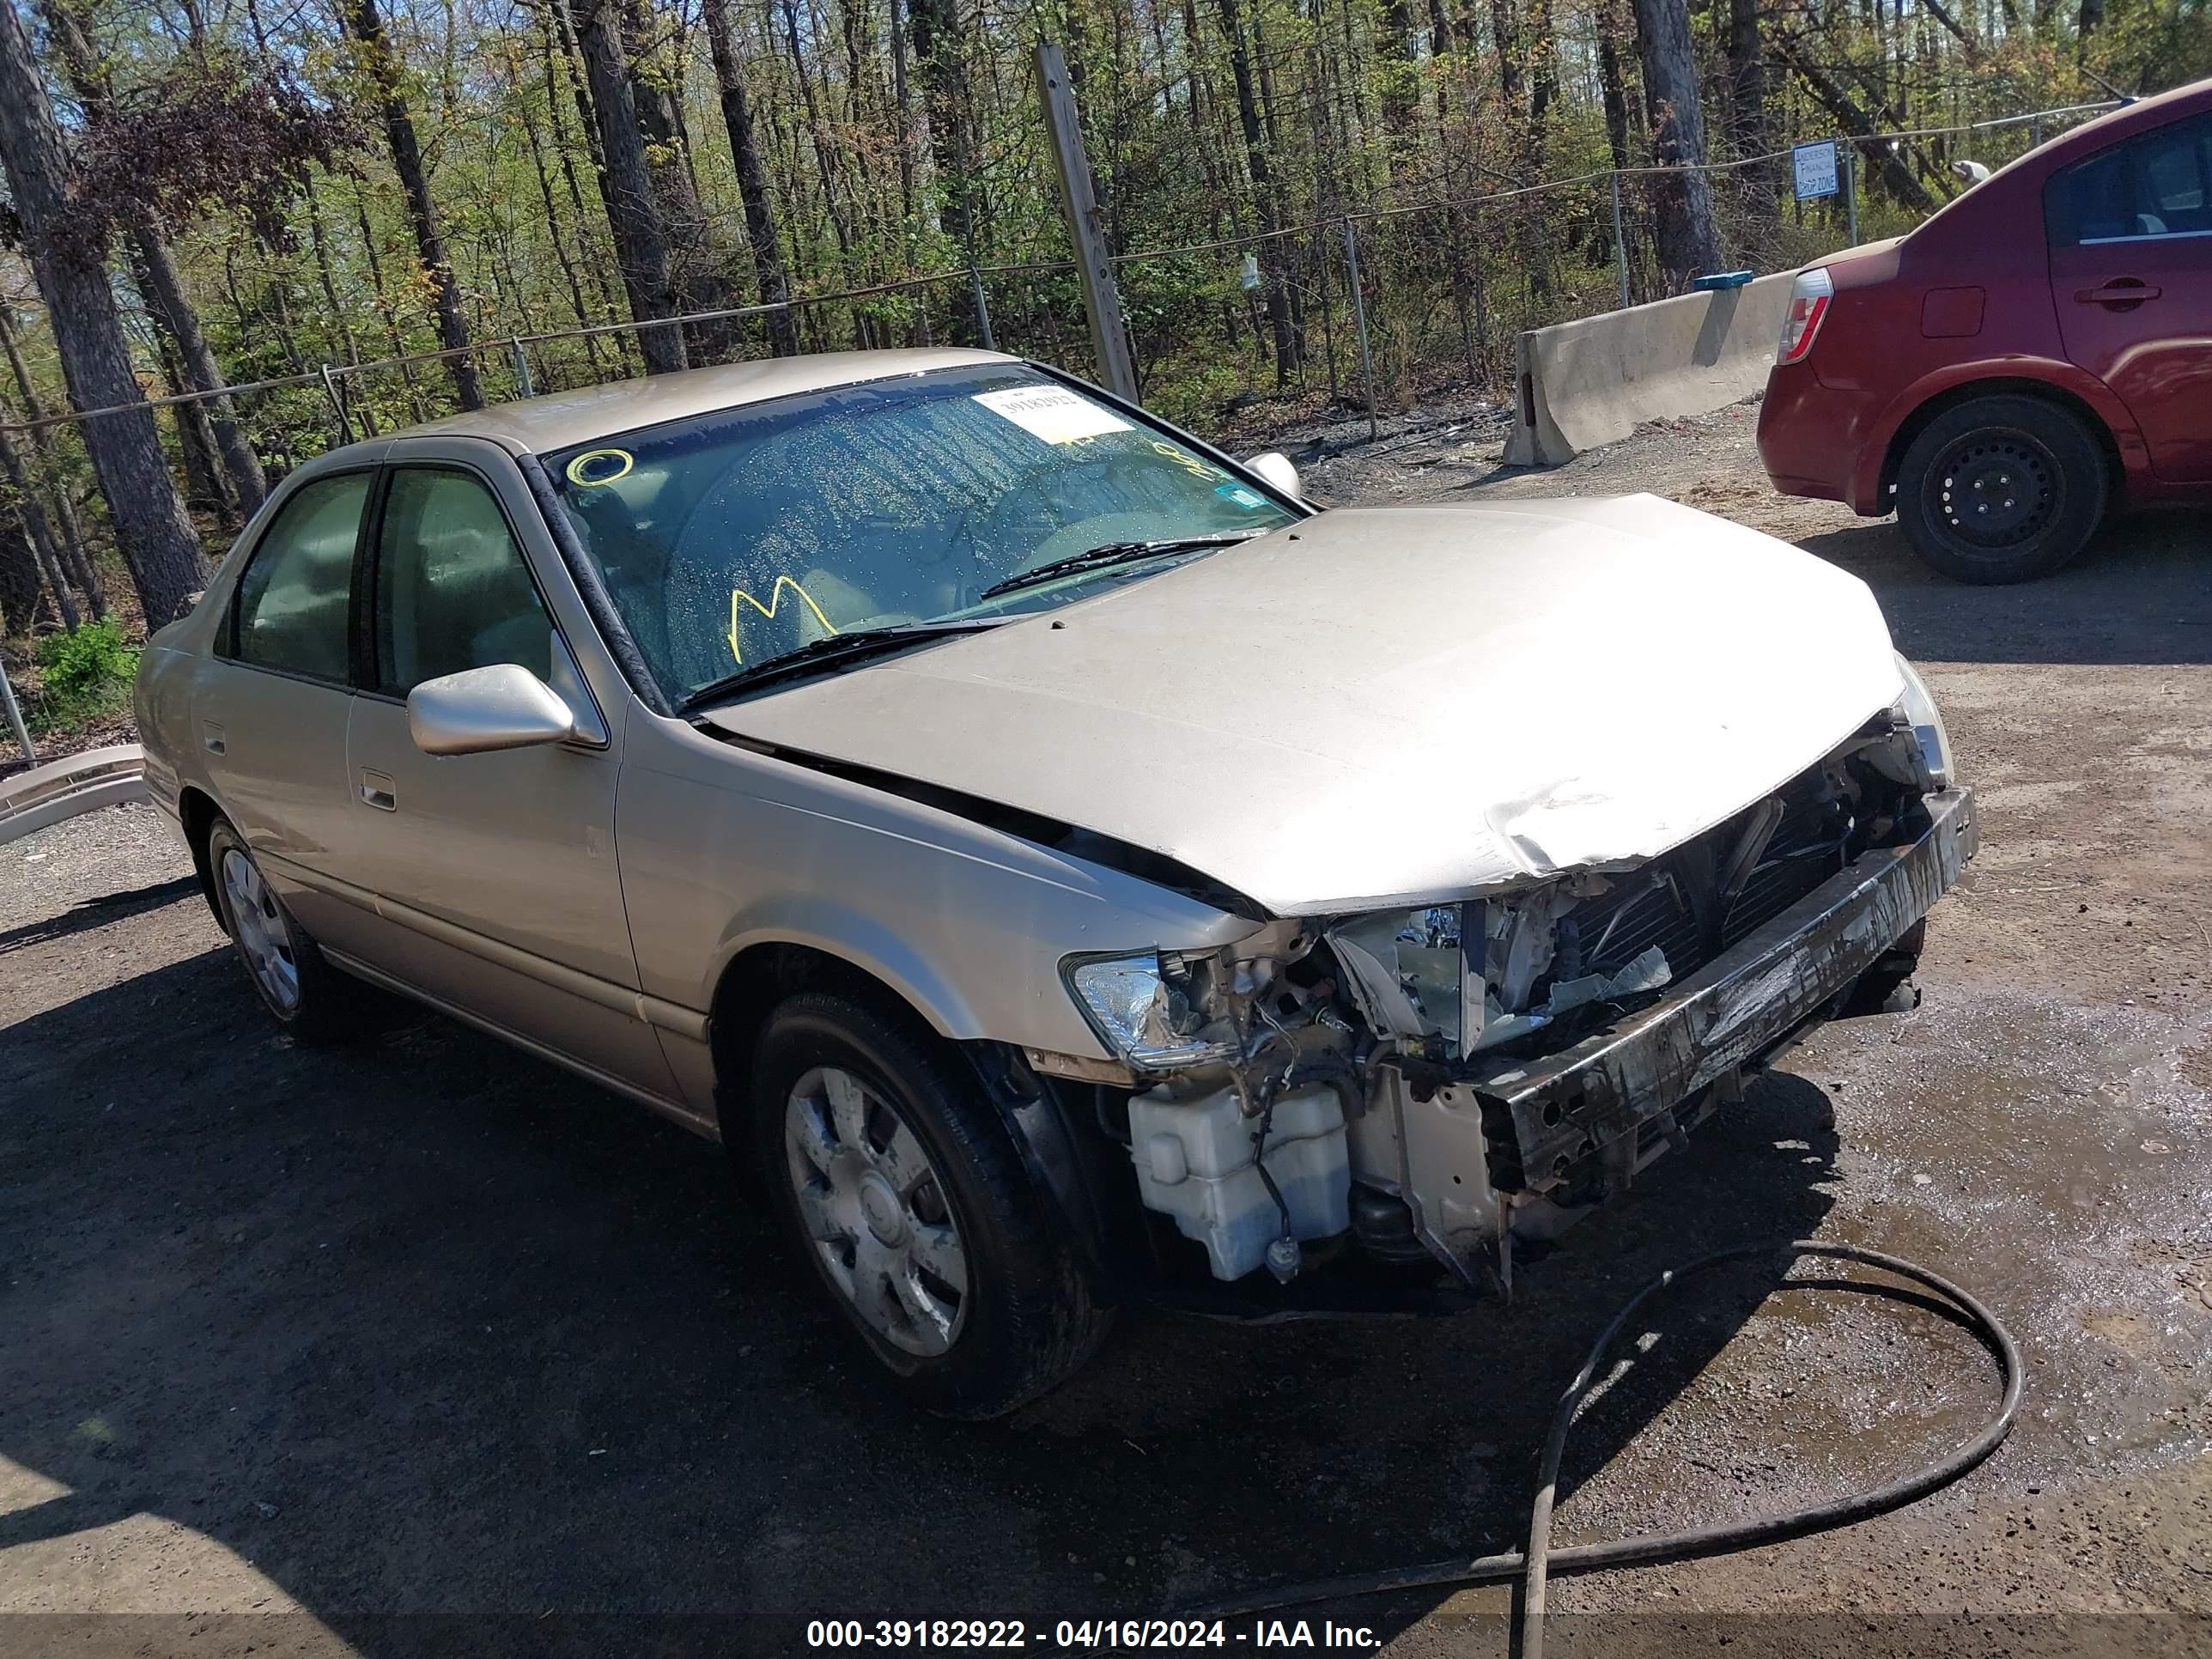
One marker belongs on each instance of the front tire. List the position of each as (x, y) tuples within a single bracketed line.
[(902, 1186), (302, 991), (2001, 489)]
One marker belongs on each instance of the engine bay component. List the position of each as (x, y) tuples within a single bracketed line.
[(1199, 1161)]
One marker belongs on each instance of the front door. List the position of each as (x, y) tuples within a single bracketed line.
[(2131, 277), (495, 873)]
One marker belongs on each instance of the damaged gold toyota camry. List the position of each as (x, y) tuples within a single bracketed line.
[(1072, 868)]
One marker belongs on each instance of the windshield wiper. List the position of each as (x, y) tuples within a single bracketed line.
[(831, 648), (1108, 553)]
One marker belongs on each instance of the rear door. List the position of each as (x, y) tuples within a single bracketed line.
[(495, 872), (2130, 231), (274, 699)]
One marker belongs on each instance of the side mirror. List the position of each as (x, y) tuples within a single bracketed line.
[(1275, 467), (504, 706)]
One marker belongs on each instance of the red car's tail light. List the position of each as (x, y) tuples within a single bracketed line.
[(1809, 303)]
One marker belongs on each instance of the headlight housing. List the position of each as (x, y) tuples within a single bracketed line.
[(1138, 1015), (1918, 711)]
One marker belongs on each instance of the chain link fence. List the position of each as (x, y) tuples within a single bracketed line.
[(1369, 304)]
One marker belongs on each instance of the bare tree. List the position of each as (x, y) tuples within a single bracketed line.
[(640, 248), (1263, 195), (76, 559), (156, 537), (752, 178), (156, 268), (1687, 240), (381, 65)]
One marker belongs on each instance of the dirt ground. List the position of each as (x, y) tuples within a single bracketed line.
[(420, 1346)]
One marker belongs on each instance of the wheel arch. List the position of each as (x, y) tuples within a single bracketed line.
[(2105, 423), (197, 812), (762, 976)]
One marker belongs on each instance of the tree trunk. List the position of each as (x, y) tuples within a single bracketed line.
[(934, 26), (156, 268), (206, 485), (1263, 197), (696, 277), (382, 67), (1683, 199), (640, 250), (1747, 80), (34, 517), (76, 558), (1613, 30), (166, 292), (752, 178), (157, 539), (22, 592)]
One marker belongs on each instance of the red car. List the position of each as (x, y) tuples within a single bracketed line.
[(2037, 350)]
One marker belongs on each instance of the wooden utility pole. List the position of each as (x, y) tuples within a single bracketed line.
[(1094, 269)]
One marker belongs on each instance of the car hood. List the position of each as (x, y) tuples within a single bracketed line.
[(1390, 704)]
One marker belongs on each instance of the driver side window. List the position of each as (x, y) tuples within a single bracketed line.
[(452, 591)]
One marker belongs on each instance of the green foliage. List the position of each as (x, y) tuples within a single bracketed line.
[(84, 675)]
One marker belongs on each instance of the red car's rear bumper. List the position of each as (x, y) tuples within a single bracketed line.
[(1811, 436)]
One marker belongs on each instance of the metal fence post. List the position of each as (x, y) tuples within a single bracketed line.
[(1619, 247), (16, 718), (523, 384), (338, 402), (2035, 133), (1360, 316), (983, 308), (1852, 193)]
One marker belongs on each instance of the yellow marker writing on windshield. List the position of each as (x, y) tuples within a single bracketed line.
[(595, 467), (768, 610)]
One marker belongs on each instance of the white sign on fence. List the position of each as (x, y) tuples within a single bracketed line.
[(1815, 168)]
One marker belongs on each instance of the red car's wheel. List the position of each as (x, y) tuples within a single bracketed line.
[(2001, 489)]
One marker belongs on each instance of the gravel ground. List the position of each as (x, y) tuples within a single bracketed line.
[(419, 1346)]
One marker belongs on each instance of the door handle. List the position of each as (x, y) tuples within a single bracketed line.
[(211, 736), (376, 791), (2122, 291)]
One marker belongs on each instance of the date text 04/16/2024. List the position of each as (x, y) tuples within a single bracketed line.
[(1087, 1635)]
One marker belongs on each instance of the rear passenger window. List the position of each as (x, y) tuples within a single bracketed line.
[(292, 600), (451, 589), (2157, 184)]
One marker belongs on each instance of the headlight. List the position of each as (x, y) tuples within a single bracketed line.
[(1136, 1014), (1920, 712)]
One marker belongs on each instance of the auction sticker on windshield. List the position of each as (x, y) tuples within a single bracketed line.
[(1051, 413)]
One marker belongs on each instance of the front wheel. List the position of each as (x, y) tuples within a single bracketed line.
[(2001, 490), (901, 1185)]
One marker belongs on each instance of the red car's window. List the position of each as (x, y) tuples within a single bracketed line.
[(2157, 185)]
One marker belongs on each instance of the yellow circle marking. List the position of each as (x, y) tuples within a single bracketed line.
[(577, 468)]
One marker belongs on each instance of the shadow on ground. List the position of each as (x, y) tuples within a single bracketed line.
[(423, 1326), (2140, 592)]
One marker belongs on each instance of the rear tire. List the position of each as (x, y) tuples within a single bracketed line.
[(2001, 489), (310, 1000), (902, 1186)]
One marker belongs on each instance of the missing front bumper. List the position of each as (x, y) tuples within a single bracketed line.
[(1582, 1118)]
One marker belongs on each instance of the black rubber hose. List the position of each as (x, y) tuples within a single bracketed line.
[(1535, 1565)]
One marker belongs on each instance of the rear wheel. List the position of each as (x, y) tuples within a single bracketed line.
[(304, 993), (901, 1185), (2001, 489)]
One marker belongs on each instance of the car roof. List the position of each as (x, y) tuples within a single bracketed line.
[(2129, 119), (534, 425)]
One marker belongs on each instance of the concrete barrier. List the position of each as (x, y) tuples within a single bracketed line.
[(76, 783), (1592, 382)]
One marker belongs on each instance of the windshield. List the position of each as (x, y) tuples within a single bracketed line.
[(730, 538)]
